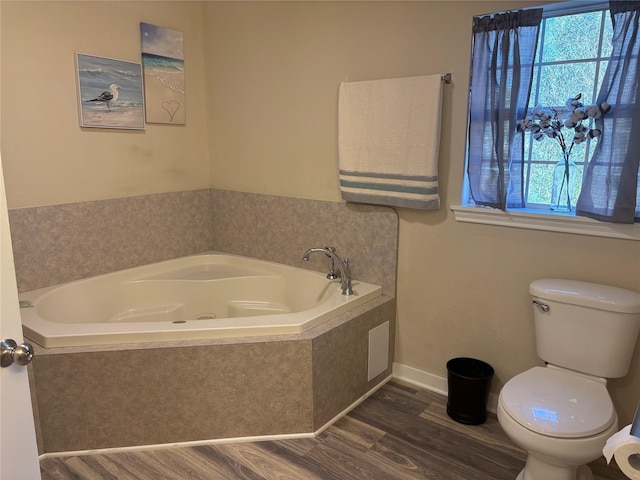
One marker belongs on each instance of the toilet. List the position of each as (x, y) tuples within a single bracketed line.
[(562, 414)]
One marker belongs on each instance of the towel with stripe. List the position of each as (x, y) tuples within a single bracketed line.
[(388, 141)]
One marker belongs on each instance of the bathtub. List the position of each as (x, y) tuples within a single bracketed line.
[(204, 296)]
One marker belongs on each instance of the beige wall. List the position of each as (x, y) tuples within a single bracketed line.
[(274, 71), (48, 158), (270, 78)]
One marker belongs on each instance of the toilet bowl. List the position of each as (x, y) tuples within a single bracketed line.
[(561, 418), (562, 414)]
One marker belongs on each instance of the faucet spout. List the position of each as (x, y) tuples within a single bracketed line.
[(343, 266)]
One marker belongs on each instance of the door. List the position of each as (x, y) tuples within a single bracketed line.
[(18, 450)]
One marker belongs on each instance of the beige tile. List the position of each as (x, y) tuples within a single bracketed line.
[(111, 399), (281, 229), (60, 243)]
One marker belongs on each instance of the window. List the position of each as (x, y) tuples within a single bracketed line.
[(573, 49), (562, 54)]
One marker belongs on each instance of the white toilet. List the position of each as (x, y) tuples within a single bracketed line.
[(562, 414)]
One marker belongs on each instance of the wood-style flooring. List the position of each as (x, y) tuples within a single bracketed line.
[(400, 432)]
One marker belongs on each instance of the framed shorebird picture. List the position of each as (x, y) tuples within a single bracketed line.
[(163, 67), (111, 93)]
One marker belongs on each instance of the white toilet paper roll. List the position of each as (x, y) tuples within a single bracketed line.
[(626, 450), (628, 458)]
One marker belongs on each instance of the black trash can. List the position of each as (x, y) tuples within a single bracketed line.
[(469, 383)]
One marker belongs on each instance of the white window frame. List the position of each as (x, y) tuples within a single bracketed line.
[(535, 219)]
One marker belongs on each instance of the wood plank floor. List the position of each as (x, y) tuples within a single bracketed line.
[(400, 432)]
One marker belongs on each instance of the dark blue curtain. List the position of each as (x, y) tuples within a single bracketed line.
[(610, 189), (504, 47)]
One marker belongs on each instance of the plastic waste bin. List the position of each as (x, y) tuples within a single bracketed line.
[(469, 383)]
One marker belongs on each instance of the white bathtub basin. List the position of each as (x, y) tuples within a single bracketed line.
[(203, 296)]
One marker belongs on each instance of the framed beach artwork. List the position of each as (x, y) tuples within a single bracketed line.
[(163, 66), (110, 92)]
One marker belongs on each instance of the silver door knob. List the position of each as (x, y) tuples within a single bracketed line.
[(12, 352)]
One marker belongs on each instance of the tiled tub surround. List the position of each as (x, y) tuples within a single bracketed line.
[(60, 243), (281, 229), (158, 393), (140, 394)]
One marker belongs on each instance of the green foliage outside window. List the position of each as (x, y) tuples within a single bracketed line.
[(572, 58)]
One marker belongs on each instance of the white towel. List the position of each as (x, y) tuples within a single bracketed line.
[(388, 141)]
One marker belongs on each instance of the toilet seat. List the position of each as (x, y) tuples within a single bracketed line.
[(557, 403)]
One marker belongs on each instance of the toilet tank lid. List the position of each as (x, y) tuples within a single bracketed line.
[(592, 295)]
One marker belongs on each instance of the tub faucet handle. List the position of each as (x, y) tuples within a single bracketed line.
[(346, 284), (332, 273)]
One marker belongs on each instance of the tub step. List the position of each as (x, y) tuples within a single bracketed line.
[(242, 308), (154, 313)]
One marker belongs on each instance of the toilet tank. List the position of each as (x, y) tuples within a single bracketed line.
[(584, 326)]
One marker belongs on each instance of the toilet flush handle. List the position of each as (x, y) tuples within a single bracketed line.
[(542, 306)]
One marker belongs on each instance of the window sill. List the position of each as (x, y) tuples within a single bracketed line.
[(540, 221)]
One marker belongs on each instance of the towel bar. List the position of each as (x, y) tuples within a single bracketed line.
[(446, 78)]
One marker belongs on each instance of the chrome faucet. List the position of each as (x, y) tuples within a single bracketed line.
[(343, 265)]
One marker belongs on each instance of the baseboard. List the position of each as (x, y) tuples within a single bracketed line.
[(431, 382), (137, 448), (352, 406)]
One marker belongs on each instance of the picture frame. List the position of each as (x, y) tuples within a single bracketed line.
[(110, 93), (164, 79)]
